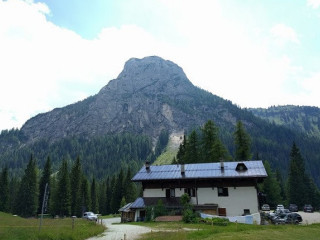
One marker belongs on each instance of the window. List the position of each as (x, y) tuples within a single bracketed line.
[(246, 212), (223, 192), (190, 191), (170, 193)]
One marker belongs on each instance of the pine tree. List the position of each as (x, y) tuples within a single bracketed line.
[(85, 195), (27, 200), (192, 149), (108, 196), (209, 139), (14, 185), (45, 179), (130, 190), (296, 187), (94, 197), (242, 142), (102, 198), (181, 155), (4, 190), (271, 187), (117, 193), (63, 194), (75, 183)]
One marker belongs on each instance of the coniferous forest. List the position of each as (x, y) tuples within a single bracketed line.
[(72, 189)]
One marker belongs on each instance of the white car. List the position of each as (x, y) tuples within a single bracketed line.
[(280, 207), (90, 216)]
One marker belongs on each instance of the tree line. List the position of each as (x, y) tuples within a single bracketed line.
[(70, 192), (204, 145)]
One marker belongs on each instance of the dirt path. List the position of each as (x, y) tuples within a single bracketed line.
[(117, 231)]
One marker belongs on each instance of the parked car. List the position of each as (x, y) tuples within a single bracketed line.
[(90, 216), (308, 208), (293, 218), (293, 207), (265, 207), (279, 206), (278, 219)]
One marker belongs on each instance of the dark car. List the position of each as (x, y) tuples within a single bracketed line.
[(277, 219), (308, 208), (293, 208), (293, 218)]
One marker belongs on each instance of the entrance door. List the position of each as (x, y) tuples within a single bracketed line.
[(222, 212)]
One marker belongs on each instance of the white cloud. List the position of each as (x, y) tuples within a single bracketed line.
[(283, 34), (45, 66), (313, 3)]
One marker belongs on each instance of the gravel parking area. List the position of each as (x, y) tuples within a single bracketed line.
[(118, 231), (309, 218)]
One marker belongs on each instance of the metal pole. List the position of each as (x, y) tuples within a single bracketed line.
[(43, 200)]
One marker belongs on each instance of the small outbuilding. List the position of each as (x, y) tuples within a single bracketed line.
[(127, 214)]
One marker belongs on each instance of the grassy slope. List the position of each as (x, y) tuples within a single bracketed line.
[(171, 150), (19, 228), (179, 231)]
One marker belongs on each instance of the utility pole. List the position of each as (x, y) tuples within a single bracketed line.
[(44, 204)]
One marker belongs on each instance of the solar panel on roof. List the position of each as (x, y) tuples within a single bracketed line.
[(201, 170)]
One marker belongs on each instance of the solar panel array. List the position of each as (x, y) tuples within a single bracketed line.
[(201, 171)]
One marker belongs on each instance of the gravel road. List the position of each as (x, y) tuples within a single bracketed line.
[(117, 231), (309, 218)]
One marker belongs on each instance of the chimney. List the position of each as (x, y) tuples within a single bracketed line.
[(182, 169), (147, 164), (221, 165)]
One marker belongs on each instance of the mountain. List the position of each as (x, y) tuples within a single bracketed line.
[(302, 118), (150, 95)]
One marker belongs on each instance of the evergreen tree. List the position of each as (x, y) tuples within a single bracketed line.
[(45, 179), (85, 195), (209, 139), (63, 194), (94, 197), (14, 185), (242, 142), (192, 150), (4, 190), (102, 197), (271, 187), (117, 193), (108, 196), (296, 186), (27, 200), (75, 182), (282, 187), (53, 196), (130, 190), (123, 202), (181, 155)]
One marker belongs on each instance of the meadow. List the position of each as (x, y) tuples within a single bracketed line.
[(17, 228), (233, 231)]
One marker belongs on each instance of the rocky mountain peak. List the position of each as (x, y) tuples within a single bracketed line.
[(149, 72)]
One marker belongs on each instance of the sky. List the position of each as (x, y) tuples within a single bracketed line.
[(254, 53)]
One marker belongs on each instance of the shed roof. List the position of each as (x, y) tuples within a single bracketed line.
[(255, 169)]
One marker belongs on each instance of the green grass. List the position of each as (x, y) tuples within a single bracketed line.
[(17, 228), (177, 231), (109, 216)]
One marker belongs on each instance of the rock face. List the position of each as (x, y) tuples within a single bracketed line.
[(149, 95)]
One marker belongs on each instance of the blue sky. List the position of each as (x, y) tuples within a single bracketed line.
[(254, 53)]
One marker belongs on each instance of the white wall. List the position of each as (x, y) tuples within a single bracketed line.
[(161, 192), (154, 192), (239, 198)]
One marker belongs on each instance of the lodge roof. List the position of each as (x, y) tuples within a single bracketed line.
[(251, 169)]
